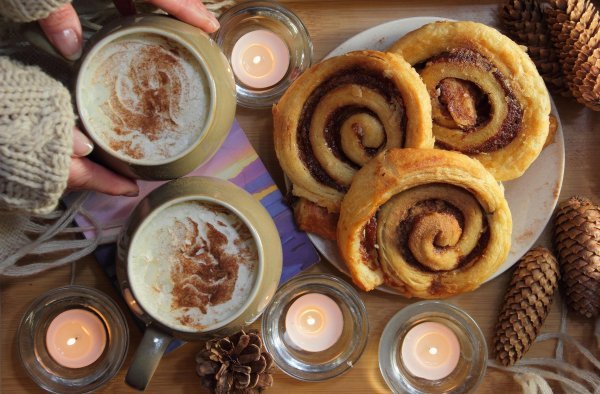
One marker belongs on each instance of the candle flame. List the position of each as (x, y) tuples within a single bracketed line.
[(256, 59), (71, 341), (433, 351), (311, 321)]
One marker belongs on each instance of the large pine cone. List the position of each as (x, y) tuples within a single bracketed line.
[(575, 32), (525, 22), (238, 364), (526, 305), (577, 243)]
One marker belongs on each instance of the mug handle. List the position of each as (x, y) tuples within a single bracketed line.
[(146, 358)]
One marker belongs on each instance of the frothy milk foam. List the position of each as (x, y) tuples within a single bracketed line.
[(146, 97), (193, 265)]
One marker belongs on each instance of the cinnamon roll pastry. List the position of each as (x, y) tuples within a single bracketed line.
[(428, 223), (488, 99), (341, 113)]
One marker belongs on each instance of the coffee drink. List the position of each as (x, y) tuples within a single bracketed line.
[(146, 97), (193, 265)]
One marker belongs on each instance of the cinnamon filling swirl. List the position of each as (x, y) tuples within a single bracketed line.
[(368, 244), (428, 234), (451, 222), (353, 130), (435, 228), (475, 110)]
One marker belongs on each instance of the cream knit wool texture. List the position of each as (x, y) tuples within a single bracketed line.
[(36, 137), (29, 10)]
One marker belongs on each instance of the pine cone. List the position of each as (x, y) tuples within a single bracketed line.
[(238, 364), (524, 21), (556, 12), (582, 53), (562, 31), (586, 83), (575, 30), (526, 304), (573, 40), (577, 244)]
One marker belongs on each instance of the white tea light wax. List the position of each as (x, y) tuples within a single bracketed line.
[(260, 59), (430, 351), (76, 338), (314, 322)]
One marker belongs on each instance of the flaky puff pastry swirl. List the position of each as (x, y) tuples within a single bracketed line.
[(342, 112), (488, 99), (429, 223)]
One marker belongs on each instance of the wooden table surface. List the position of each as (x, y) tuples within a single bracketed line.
[(330, 23)]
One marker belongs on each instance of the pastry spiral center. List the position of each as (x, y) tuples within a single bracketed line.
[(362, 135), (434, 228), (347, 120), (474, 107), (430, 239), (462, 104)]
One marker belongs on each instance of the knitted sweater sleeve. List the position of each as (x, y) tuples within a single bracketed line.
[(36, 137), (29, 10)]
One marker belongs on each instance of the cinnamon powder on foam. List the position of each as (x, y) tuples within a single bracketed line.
[(156, 97), (204, 273)]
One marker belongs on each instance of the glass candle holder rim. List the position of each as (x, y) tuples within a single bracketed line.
[(301, 48), (265, 4), (316, 283), (47, 306), (326, 278), (429, 310)]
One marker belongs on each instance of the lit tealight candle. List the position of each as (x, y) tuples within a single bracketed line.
[(260, 59), (76, 338), (314, 322), (430, 351)]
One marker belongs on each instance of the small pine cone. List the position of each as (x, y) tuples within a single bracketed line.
[(237, 364), (577, 244), (526, 304)]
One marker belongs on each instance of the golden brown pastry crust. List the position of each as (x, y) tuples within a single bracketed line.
[(340, 113), (315, 219), (427, 47), (441, 223)]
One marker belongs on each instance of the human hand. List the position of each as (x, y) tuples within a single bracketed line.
[(63, 28), (85, 174)]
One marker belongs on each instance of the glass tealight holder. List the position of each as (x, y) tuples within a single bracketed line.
[(471, 360), (36, 357), (279, 29), (313, 359)]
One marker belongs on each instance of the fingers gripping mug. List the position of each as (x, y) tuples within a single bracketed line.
[(199, 259), (156, 95)]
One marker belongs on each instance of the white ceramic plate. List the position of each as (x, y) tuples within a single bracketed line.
[(531, 198)]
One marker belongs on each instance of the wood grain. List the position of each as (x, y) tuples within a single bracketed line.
[(330, 22)]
